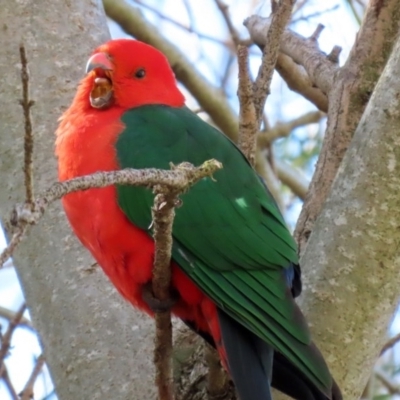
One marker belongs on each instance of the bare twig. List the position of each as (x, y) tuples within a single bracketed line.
[(299, 5), (270, 178), (12, 244), (354, 11), (280, 19), (225, 13), (248, 126), (315, 14), (390, 343), (180, 178), (391, 386), (6, 338), (27, 393), (10, 315), (179, 24), (7, 382), (292, 178), (28, 139), (317, 32), (284, 129)]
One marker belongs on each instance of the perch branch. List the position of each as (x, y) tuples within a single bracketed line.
[(163, 218), (180, 178)]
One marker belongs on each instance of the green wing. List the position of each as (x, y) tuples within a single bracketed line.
[(229, 236)]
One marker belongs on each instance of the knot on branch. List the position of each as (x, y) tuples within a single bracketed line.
[(194, 174), (24, 214)]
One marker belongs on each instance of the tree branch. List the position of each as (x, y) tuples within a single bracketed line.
[(303, 51), (163, 217), (341, 300), (27, 393), (10, 315), (298, 80), (292, 178), (390, 343), (180, 178), (280, 18), (353, 85), (6, 338), (270, 178), (391, 386), (284, 129), (232, 30), (7, 381), (248, 126), (26, 105)]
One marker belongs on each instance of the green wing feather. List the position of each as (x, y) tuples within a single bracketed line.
[(229, 236)]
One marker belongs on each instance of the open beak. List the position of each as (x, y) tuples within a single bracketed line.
[(102, 93)]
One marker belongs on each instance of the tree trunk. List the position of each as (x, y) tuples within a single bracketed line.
[(351, 263), (96, 345)]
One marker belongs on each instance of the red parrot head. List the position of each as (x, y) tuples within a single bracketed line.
[(127, 73)]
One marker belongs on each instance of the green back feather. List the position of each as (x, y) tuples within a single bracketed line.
[(229, 236)]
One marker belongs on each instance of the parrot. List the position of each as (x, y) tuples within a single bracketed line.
[(234, 263)]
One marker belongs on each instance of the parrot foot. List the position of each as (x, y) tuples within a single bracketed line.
[(155, 304)]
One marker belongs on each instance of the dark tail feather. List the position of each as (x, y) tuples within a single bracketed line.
[(289, 380), (285, 377), (249, 359)]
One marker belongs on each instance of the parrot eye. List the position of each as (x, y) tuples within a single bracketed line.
[(140, 73)]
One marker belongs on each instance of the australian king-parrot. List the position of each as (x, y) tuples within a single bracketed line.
[(234, 263)]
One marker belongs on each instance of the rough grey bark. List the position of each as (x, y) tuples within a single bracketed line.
[(96, 345), (352, 259)]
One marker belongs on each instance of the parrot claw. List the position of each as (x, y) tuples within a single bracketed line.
[(155, 304)]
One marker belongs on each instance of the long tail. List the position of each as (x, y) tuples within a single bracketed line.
[(289, 380), (249, 359), (285, 377)]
